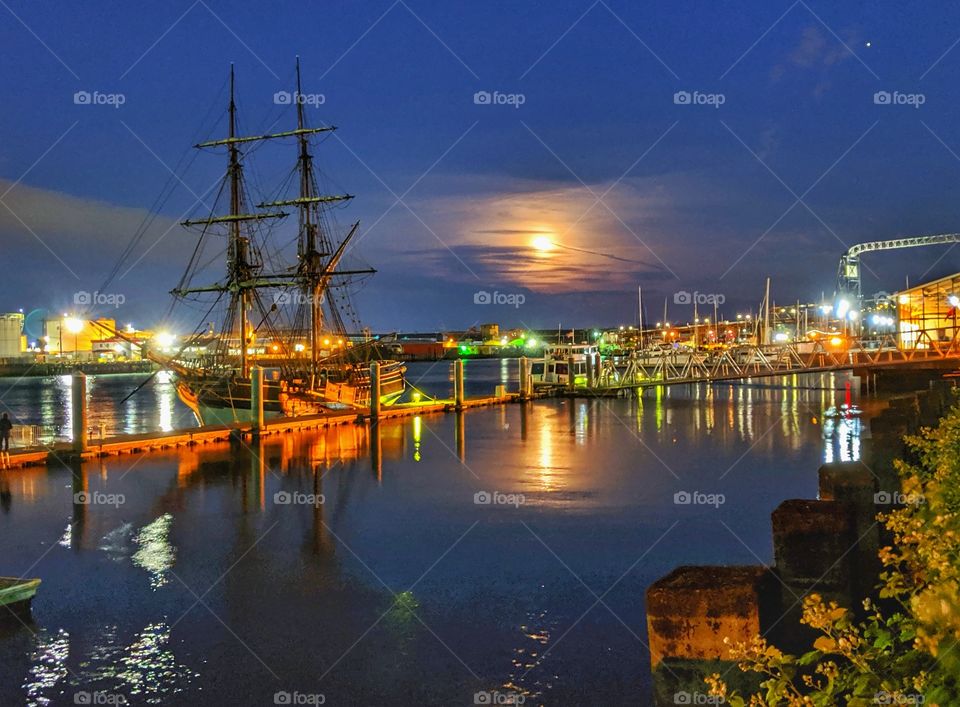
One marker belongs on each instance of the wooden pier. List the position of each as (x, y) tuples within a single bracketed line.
[(141, 443)]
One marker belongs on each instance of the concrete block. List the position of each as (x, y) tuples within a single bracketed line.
[(812, 543), (693, 609)]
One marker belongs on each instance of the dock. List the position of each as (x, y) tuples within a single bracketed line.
[(605, 378), (141, 443)]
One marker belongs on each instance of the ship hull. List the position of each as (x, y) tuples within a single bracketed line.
[(224, 402)]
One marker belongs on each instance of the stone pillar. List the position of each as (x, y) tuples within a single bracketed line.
[(256, 399), (692, 609), (854, 484), (813, 550), (690, 612), (374, 391), (79, 409)]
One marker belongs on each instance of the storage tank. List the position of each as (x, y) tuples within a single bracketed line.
[(11, 328)]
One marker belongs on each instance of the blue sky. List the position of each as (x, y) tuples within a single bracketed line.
[(797, 163)]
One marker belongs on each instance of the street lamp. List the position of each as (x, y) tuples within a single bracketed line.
[(74, 326)]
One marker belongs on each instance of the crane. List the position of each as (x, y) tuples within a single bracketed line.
[(848, 276)]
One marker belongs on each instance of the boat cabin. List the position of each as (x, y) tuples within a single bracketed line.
[(554, 367)]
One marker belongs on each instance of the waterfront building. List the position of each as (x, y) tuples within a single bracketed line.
[(490, 332), (69, 335), (927, 313)]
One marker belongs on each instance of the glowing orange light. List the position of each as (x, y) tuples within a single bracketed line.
[(543, 243)]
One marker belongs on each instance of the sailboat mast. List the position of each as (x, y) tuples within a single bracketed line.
[(640, 315), (308, 241), (238, 256)]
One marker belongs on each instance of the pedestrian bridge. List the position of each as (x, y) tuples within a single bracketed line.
[(674, 366)]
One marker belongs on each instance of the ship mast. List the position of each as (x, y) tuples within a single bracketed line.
[(316, 266), (238, 256), (311, 258), (244, 276)]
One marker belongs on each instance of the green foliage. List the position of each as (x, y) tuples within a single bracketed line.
[(907, 654)]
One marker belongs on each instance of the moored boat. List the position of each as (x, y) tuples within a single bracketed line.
[(554, 367), (283, 311), (16, 594)]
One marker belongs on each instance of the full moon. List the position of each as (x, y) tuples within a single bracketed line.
[(542, 243)]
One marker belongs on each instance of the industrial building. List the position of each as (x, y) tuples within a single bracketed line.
[(927, 314)]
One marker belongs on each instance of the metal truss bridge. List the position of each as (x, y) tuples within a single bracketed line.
[(672, 367)]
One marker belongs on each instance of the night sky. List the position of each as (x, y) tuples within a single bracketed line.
[(681, 147)]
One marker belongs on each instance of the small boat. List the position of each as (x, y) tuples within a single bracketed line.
[(16, 593), (552, 369)]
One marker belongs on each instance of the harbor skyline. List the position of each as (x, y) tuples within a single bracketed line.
[(725, 146), (419, 352)]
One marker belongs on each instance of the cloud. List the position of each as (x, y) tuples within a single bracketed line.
[(64, 244), (74, 231), (815, 49), (491, 232), (815, 52)]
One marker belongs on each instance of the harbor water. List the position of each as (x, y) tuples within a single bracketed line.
[(439, 560)]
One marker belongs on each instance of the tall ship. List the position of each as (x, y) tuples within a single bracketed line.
[(286, 310)]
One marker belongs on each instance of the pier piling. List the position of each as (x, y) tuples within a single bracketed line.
[(374, 391), (458, 393), (524, 378), (256, 399), (79, 408)]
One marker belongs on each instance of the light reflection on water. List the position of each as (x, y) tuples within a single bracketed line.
[(48, 666), (299, 584), (143, 671), (155, 553)]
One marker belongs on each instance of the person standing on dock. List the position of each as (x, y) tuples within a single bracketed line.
[(5, 427)]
